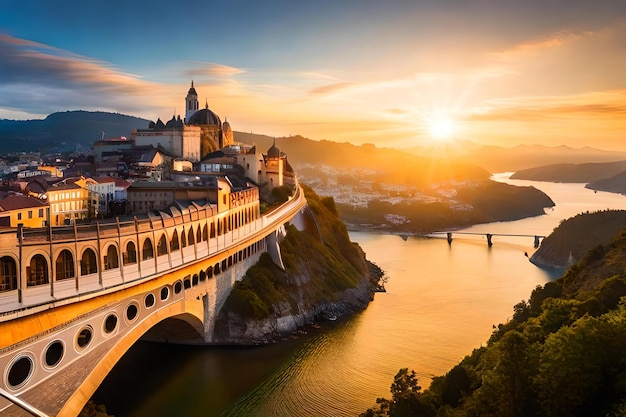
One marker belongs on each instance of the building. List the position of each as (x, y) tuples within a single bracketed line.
[(145, 196), (69, 202), (200, 133), (107, 146), (175, 137), (101, 194), (19, 209)]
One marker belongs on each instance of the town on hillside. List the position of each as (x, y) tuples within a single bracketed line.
[(188, 159)]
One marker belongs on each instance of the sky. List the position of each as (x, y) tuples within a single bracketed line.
[(392, 73)]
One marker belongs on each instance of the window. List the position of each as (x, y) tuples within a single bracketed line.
[(30, 214), (41, 212), (65, 265), (111, 259), (37, 272), (19, 216), (130, 257), (147, 252), (88, 263), (8, 274), (162, 246)]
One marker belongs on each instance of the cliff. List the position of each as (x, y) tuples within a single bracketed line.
[(326, 276), (576, 236)]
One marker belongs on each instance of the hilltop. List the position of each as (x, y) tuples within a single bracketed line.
[(65, 131), (576, 236)]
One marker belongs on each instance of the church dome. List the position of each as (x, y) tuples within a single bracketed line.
[(273, 151), (226, 128), (204, 117)]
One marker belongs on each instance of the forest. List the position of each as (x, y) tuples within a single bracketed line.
[(561, 354)]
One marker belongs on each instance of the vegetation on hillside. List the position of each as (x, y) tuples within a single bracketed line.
[(316, 271), (575, 236), (562, 354), (482, 202), (64, 131)]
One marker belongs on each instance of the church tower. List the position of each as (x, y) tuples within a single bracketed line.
[(191, 103)]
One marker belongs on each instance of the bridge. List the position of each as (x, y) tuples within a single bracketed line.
[(74, 299), (489, 236)]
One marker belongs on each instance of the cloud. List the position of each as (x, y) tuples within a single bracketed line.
[(331, 88), (213, 70), (596, 105), (41, 79)]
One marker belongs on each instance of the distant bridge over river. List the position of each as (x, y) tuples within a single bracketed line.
[(489, 236)]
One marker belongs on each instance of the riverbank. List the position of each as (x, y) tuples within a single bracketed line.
[(325, 276), (483, 202)]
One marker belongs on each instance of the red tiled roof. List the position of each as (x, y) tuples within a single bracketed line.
[(17, 202)]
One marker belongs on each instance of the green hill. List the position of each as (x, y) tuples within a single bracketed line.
[(63, 131), (576, 236), (562, 354)]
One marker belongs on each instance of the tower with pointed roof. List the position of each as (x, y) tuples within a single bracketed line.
[(191, 103)]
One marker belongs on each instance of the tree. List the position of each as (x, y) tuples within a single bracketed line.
[(406, 400)]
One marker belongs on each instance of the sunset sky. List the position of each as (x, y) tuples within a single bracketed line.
[(392, 73)]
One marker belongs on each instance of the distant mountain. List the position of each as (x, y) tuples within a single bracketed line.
[(614, 184), (501, 159), (63, 131), (579, 173), (393, 166)]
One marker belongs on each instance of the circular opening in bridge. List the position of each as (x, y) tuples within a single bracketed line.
[(20, 371), (131, 312), (54, 353), (110, 323), (178, 287), (150, 300), (84, 337), (165, 293)]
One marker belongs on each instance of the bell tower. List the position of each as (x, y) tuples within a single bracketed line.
[(191, 103)]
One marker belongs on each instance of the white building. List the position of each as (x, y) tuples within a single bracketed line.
[(101, 193)]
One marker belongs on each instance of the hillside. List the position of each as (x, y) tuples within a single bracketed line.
[(391, 165), (614, 184), (576, 236), (64, 131), (326, 275), (561, 354), (576, 173), (501, 159)]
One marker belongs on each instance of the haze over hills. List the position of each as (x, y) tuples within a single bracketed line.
[(63, 131), (581, 173)]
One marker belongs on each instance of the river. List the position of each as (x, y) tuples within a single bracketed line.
[(441, 302)]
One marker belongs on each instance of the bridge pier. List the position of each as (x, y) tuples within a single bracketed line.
[(489, 242)]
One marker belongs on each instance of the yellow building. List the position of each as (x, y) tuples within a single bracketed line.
[(68, 203), (19, 209)]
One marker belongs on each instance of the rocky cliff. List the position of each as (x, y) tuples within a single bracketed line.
[(325, 277)]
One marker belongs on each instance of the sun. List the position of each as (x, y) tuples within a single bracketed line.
[(441, 129)]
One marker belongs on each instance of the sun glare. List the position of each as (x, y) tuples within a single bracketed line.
[(441, 129)]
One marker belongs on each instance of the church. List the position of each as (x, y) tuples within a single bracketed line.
[(200, 133)]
